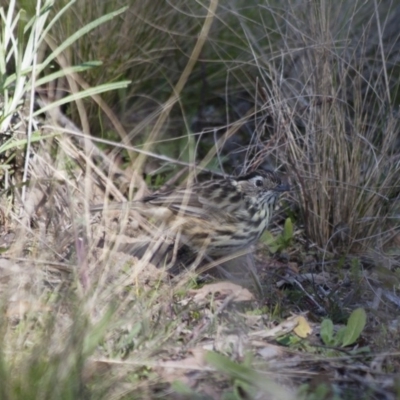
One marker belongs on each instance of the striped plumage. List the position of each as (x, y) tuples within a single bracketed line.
[(216, 217)]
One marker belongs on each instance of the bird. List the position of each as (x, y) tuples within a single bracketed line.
[(216, 217)]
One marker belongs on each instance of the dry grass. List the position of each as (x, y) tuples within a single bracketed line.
[(103, 324), (333, 128)]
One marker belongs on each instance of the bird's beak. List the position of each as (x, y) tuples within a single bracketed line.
[(283, 187)]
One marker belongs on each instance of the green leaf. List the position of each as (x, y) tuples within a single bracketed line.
[(267, 238), (288, 230), (273, 248), (355, 326), (327, 331), (338, 339)]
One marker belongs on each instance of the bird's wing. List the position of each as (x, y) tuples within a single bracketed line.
[(197, 201), (180, 201), (184, 201), (207, 202)]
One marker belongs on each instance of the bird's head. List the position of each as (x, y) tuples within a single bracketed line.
[(261, 181)]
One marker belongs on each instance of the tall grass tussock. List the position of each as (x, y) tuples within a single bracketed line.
[(109, 101)]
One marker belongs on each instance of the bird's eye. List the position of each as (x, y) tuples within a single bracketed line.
[(259, 182)]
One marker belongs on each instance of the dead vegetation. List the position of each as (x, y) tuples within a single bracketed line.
[(312, 91)]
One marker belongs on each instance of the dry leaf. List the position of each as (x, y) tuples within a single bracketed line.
[(279, 330), (303, 329), (221, 290)]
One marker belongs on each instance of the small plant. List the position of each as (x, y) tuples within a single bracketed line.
[(347, 335), (281, 242)]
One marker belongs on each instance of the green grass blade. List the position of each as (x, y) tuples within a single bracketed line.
[(84, 93), (66, 71), (36, 137), (81, 32)]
